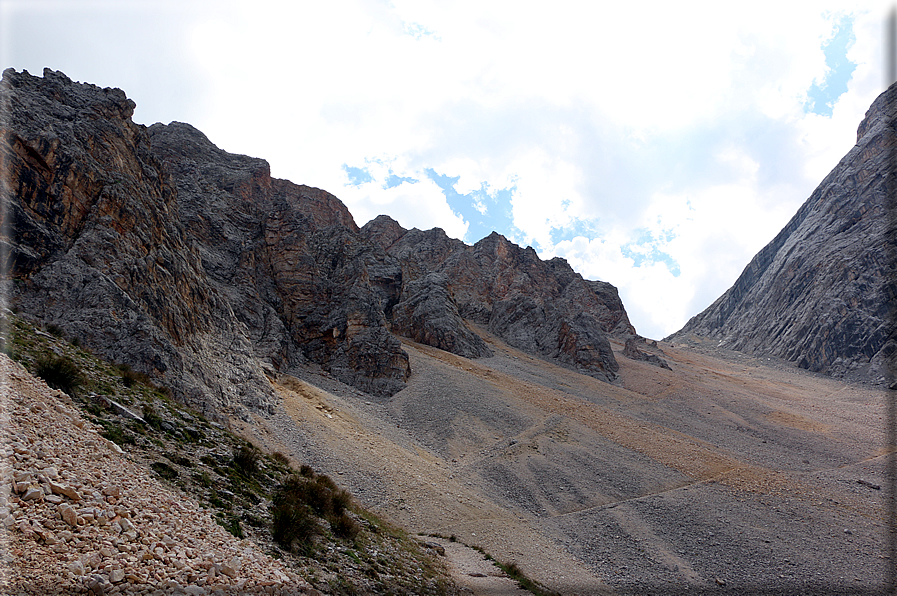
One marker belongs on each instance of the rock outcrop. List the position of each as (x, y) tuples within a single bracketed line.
[(821, 293), (542, 307), (637, 348), (155, 248)]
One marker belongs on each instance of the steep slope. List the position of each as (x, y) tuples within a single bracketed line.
[(154, 247), (721, 471), (820, 294)]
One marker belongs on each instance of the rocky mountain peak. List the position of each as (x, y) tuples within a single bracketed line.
[(879, 113), (154, 247), (383, 230)]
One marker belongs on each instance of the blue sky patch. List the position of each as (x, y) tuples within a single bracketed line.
[(822, 96), (645, 250), (357, 176), (579, 227), (392, 180), (485, 210), (417, 31)]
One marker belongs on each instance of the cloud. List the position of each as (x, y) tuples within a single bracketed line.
[(419, 204), (637, 140)]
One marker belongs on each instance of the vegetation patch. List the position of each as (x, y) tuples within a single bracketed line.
[(298, 516), (164, 470), (246, 460), (59, 373)]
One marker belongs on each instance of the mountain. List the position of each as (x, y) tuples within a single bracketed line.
[(155, 248), (457, 391), (821, 294)]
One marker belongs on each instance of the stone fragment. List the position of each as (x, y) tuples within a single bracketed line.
[(68, 514), (637, 348), (66, 491), (77, 568), (232, 567), (25, 528), (32, 493), (116, 576), (97, 584)]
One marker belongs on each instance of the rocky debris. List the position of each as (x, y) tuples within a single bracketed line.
[(819, 295), (80, 517), (633, 350), (200, 460)]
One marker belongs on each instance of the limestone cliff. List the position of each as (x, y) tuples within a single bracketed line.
[(155, 248), (820, 293)]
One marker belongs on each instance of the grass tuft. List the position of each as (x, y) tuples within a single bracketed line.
[(246, 460), (59, 373)]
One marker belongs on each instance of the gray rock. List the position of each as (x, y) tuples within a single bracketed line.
[(155, 248), (637, 348), (428, 315), (820, 294)]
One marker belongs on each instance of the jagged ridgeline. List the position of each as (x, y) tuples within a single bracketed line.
[(822, 293), (153, 247)]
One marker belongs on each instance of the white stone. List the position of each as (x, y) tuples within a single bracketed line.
[(77, 568)]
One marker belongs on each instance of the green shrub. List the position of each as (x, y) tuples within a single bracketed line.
[(202, 478), (299, 499), (280, 458), (231, 524), (164, 470), (115, 433), (344, 526), (151, 417), (179, 459), (292, 521), (59, 373), (130, 377), (54, 330), (246, 460)]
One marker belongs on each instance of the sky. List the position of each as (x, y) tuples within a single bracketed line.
[(656, 146)]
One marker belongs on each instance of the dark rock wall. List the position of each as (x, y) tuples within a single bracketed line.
[(542, 307)]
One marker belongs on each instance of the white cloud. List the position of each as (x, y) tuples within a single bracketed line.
[(419, 205), (617, 115)]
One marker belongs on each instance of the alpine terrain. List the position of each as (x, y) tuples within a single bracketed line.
[(471, 394)]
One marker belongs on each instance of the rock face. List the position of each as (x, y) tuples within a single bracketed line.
[(542, 307), (289, 261), (155, 248), (820, 293)]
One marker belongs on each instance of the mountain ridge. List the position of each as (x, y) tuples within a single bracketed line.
[(195, 266), (819, 294)]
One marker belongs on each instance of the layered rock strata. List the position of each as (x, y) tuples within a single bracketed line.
[(542, 307), (821, 293)]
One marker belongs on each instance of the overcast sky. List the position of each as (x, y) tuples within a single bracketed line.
[(655, 146)]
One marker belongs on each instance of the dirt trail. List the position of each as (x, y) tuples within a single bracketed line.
[(473, 571)]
